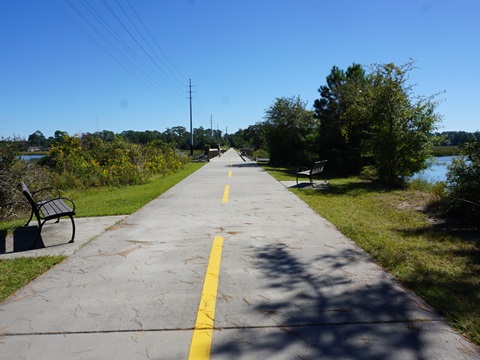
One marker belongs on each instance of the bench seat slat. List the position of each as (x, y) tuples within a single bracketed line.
[(54, 208), (304, 173)]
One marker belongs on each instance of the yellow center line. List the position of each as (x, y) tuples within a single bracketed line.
[(229, 174), (203, 332), (225, 194)]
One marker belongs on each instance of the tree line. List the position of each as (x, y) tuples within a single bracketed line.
[(177, 136), (456, 138), (252, 137)]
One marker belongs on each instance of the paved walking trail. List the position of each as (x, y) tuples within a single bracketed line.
[(282, 283)]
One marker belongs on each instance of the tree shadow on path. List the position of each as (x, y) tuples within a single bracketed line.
[(337, 305)]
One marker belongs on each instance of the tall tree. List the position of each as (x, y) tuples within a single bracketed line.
[(289, 128), (254, 136), (179, 136), (37, 139), (342, 118), (401, 124), (201, 138), (374, 118), (105, 135)]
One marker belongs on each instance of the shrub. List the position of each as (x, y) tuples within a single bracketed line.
[(82, 162), (262, 154), (13, 170), (463, 183), (290, 131), (92, 162)]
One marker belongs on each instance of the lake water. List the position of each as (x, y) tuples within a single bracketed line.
[(437, 171), (31, 157)]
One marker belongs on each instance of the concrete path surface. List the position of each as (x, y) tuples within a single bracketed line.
[(228, 264), (55, 237)]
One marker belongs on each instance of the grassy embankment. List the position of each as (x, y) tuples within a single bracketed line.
[(441, 264), (445, 150), (16, 273)]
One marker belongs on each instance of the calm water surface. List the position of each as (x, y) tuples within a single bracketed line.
[(31, 157), (437, 171)]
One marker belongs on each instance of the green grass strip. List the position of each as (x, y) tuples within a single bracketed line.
[(16, 273), (125, 200)]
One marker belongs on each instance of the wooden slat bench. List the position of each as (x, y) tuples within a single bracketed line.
[(316, 168), (48, 207)]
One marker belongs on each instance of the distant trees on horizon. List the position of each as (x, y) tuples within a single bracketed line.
[(456, 138), (178, 136)]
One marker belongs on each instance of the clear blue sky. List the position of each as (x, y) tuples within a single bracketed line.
[(240, 55)]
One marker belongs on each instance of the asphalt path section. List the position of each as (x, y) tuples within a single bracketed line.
[(283, 282)]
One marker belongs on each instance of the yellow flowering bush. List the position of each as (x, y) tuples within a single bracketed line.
[(89, 161)]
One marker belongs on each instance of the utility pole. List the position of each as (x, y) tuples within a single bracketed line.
[(211, 127), (191, 127)]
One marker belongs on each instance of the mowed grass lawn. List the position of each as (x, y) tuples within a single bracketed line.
[(439, 263), (16, 273)]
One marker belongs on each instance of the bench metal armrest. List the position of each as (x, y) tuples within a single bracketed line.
[(49, 190)]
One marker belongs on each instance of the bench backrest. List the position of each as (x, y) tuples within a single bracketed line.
[(318, 166), (29, 197), (27, 193)]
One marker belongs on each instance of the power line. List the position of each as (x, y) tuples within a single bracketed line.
[(202, 113), (120, 32), (130, 34), (102, 32), (180, 81), (124, 45), (104, 49)]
